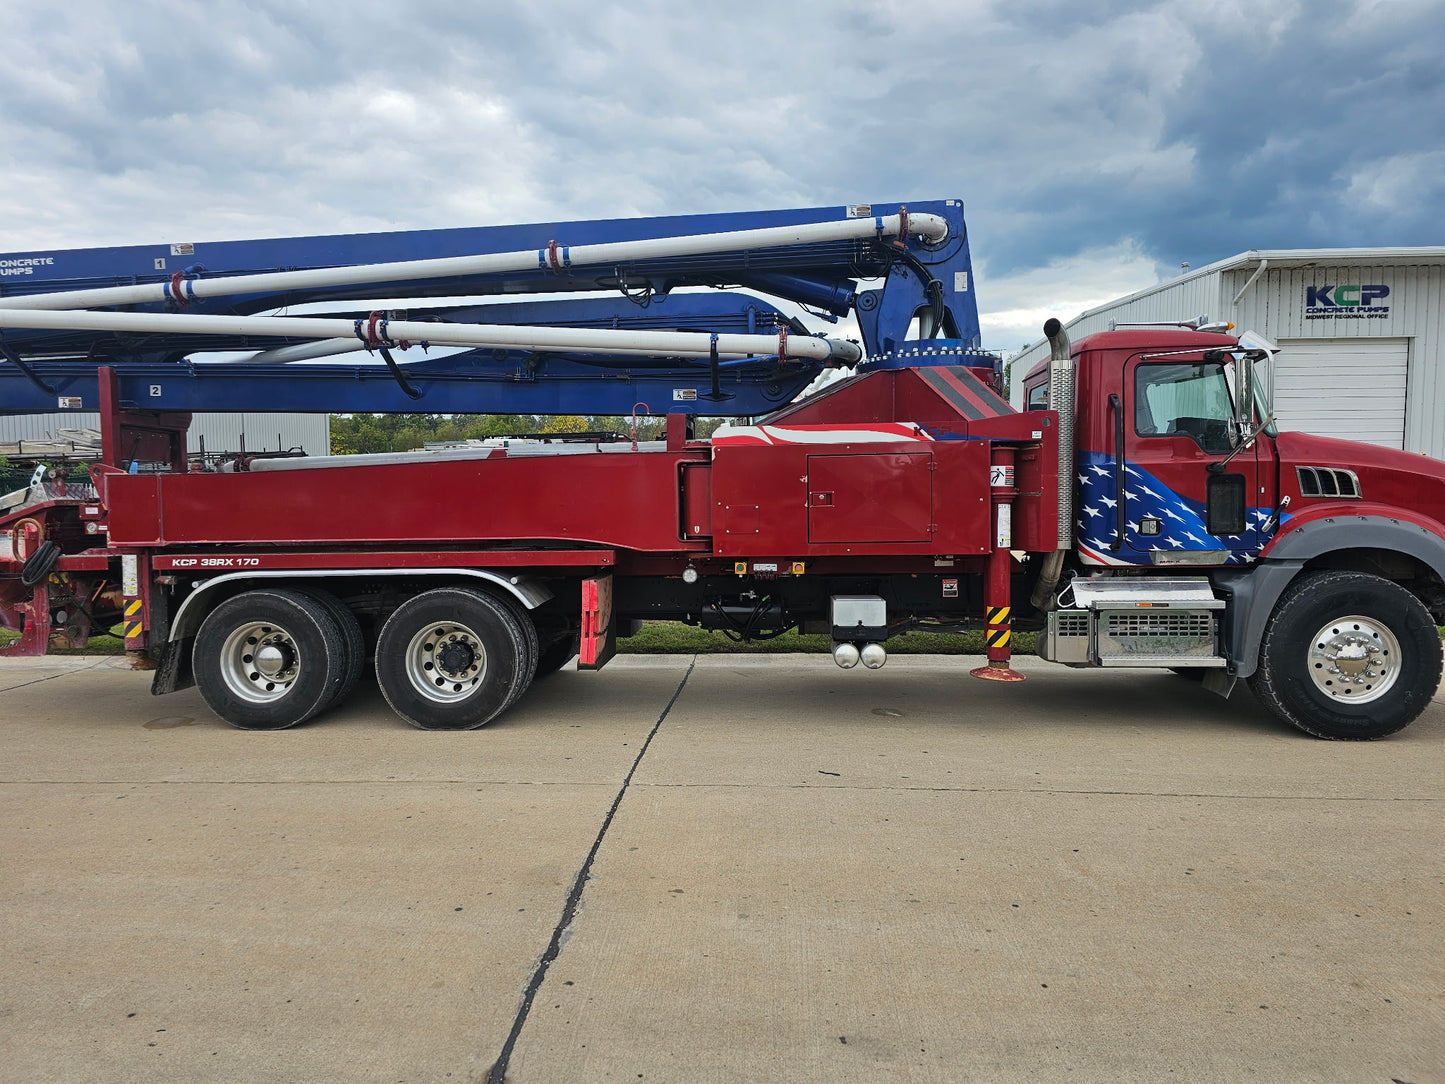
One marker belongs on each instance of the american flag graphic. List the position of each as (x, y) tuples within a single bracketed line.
[(1181, 519)]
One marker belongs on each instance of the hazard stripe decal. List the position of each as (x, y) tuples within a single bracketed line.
[(934, 378), (997, 634), (134, 624), (971, 384), (965, 392)]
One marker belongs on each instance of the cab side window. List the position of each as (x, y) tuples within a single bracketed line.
[(1037, 397), (1188, 399)]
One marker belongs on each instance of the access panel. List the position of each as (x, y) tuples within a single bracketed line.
[(872, 497)]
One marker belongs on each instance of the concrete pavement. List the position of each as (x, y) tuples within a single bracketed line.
[(722, 869)]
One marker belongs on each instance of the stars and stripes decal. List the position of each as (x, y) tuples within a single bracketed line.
[(1181, 519)]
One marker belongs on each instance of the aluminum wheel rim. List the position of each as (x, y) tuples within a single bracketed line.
[(1354, 659), (445, 662), (260, 662)]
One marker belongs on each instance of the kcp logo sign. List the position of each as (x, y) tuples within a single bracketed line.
[(1356, 302), (1344, 296)]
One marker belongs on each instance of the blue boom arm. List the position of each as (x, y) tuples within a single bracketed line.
[(899, 290)]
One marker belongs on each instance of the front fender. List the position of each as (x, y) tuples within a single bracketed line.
[(1253, 592)]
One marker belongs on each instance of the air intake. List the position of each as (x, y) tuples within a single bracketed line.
[(1327, 482)]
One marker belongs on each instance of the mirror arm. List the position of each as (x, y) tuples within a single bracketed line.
[(1217, 467)]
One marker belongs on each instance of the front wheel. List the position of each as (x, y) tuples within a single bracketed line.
[(1348, 656), (453, 658)]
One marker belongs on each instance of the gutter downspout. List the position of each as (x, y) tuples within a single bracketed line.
[(1252, 280)]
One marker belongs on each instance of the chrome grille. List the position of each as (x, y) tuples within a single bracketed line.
[(1072, 624), (1174, 633)]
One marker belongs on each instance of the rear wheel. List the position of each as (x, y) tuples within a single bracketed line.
[(1347, 655), (353, 644), (269, 659), (454, 658)]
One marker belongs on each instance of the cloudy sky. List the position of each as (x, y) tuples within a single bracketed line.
[(1096, 145)]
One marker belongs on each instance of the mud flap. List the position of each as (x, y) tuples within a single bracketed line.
[(173, 672), (599, 628)]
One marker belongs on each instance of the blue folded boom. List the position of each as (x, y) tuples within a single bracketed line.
[(898, 291)]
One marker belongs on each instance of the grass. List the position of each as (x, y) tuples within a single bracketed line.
[(671, 638), (103, 644)]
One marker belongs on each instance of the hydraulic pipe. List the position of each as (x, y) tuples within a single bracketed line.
[(506, 336), (555, 257)]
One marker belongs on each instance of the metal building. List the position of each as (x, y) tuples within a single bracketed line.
[(214, 432), (1361, 332)]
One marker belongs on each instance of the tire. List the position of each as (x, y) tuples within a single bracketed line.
[(1348, 656), (530, 642), (453, 658), (269, 659), (353, 644)]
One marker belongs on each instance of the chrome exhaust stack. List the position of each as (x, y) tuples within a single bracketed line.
[(1061, 399)]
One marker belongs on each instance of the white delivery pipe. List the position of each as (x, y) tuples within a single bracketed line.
[(505, 336), (931, 227), (323, 348)]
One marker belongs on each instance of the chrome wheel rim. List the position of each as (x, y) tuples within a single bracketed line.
[(445, 661), (260, 662), (1354, 660)]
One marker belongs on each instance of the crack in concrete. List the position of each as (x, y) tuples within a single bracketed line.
[(498, 1072), (52, 677)]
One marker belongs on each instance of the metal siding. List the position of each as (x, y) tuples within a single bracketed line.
[(262, 432), (1425, 405), (1275, 307), (1351, 388), (222, 432), (43, 426)]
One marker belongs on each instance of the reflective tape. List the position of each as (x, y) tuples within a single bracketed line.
[(134, 624)]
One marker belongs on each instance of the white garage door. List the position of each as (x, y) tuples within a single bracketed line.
[(1349, 388)]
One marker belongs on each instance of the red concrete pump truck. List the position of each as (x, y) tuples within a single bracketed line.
[(1141, 511)]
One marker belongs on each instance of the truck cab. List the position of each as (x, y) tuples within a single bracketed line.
[(1162, 478), (1313, 567)]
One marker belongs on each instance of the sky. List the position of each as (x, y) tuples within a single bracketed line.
[(1096, 146)]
